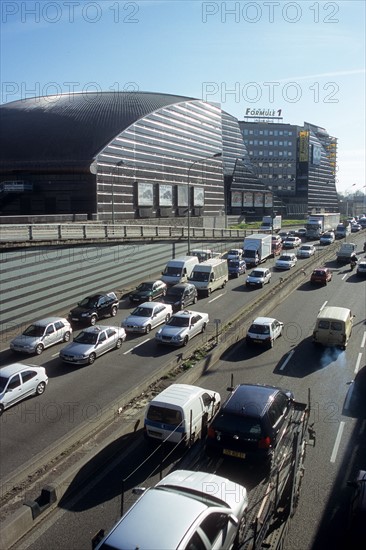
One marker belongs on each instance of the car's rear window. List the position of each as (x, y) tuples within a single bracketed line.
[(259, 329), (164, 415), (240, 424)]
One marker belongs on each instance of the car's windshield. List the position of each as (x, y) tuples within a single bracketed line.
[(88, 302), (233, 263), (178, 322), (142, 312), (3, 382), (200, 276), (145, 286), (174, 292), (259, 329), (34, 330), (256, 274), (285, 258), (174, 271), (86, 338)]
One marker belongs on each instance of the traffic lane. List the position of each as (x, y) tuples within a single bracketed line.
[(71, 398), (248, 365)]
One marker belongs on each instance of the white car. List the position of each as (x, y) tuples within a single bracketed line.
[(291, 242), (286, 261), (301, 232), (306, 251), (258, 277), (235, 254), (327, 238), (264, 331), (181, 327), (41, 335), (361, 268), (212, 514), (19, 381), (147, 316), (92, 342)]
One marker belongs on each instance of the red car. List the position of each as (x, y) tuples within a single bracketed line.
[(321, 276)]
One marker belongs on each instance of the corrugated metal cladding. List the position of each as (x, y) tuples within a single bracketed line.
[(168, 147), (38, 282)]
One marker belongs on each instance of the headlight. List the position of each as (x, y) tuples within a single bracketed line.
[(177, 337), (85, 314)]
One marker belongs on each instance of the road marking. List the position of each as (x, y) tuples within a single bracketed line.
[(55, 354), (337, 441), (363, 340), (218, 296), (323, 306), (138, 345), (287, 359), (357, 367)]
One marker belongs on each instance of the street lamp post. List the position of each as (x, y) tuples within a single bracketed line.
[(214, 156)]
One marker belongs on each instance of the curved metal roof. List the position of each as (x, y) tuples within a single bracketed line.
[(70, 129)]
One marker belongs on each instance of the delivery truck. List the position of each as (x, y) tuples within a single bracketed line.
[(318, 224), (271, 224), (257, 248)]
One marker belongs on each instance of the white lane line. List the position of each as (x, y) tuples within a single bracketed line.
[(213, 299), (337, 441), (325, 303), (287, 359), (363, 340), (55, 354), (358, 362), (345, 276), (138, 345)]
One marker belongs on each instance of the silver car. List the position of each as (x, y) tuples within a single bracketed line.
[(147, 316), (286, 261), (19, 381), (258, 277), (306, 251), (212, 514), (41, 335), (181, 327), (91, 343)]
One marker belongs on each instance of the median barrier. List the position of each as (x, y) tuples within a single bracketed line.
[(22, 520)]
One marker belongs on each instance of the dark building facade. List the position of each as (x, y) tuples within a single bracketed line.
[(297, 163), (117, 156)]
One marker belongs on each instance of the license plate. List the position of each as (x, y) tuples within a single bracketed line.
[(257, 341), (236, 454), (74, 319)]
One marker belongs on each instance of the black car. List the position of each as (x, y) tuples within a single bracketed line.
[(250, 422), (181, 295), (148, 291), (94, 307)]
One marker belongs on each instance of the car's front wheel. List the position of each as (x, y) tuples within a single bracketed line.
[(40, 388), (203, 327), (185, 341), (119, 343), (114, 311), (147, 329), (93, 320), (67, 336), (1, 409), (39, 349), (92, 358), (167, 317)]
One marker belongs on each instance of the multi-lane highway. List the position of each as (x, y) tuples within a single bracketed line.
[(293, 363)]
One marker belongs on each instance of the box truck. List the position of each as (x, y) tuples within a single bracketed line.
[(257, 248), (318, 224), (271, 224)]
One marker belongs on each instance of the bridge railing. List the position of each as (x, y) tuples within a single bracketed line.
[(83, 232)]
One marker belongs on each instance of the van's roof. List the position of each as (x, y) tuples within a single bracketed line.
[(183, 259), (333, 312), (210, 262), (177, 394)]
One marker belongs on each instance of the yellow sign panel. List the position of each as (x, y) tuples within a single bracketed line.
[(304, 146)]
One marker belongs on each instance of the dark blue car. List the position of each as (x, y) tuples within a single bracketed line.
[(236, 267)]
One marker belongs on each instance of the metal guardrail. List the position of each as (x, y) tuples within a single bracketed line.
[(84, 232)]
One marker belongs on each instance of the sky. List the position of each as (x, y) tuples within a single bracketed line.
[(305, 58)]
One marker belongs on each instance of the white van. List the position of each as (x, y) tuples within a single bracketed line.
[(202, 255), (180, 412), (178, 270), (210, 275), (333, 326)]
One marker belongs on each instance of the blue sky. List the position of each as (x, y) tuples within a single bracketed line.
[(306, 58)]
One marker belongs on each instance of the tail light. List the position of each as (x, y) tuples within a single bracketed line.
[(264, 443), (211, 433)]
